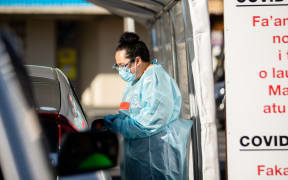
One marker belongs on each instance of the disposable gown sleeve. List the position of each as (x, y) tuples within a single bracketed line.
[(158, 102)]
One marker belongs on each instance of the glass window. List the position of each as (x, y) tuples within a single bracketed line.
[(46, 93), (78, 119)]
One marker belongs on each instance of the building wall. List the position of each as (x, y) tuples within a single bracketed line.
[(40, 42), (99, 39)]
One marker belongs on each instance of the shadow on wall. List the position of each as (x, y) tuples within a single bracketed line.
[(104, 94)]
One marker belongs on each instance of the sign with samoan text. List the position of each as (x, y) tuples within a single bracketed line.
[(256, 64)]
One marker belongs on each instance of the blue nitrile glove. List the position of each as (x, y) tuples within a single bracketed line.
[(109, 119)]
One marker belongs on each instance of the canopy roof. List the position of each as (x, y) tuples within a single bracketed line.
[(143, 11), (50, 7)]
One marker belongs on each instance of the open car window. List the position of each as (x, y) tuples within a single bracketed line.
[(47, 94)]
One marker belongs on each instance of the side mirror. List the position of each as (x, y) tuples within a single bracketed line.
[(87, 151), (98, 125)]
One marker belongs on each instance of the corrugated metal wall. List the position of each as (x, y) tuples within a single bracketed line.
[(172, 51), (173, 47)]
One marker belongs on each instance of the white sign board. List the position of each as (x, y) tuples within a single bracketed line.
[(256, 47)]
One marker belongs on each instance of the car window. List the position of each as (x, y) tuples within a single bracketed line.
[(46, 93), (78, 119), (71, 107)]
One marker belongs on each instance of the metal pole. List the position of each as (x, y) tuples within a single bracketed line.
[(174, 50), (196, 130), (129, 24)]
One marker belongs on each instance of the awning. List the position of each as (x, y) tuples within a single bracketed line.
[(62, 7), (143, 11)]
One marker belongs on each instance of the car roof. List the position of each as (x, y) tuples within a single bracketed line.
[(41, 72)]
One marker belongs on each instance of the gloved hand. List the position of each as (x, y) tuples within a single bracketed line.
[(109, 119)]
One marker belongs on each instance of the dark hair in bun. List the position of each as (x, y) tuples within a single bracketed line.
[(134, 46), (129, 37)]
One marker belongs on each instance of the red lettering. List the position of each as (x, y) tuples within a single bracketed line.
[(260, 170), (275, 38), (284, 21), (274, 108), (267, 109), (279, 56), (277, 22), (278, 90), (255, 20), (285, 172), (285, 39), (273, 91), (269, 172), (278, 170), (263, 74), (280, 39)]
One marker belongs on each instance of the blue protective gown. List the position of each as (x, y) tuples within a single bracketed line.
[(155, 138)]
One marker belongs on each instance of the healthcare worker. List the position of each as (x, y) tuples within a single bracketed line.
[(155, 138)]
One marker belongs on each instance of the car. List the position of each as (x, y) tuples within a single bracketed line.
[(220, 105), (23, 154), (59, 109), (57, 105)]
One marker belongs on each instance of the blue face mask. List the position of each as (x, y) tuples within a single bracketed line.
[(126, 74)]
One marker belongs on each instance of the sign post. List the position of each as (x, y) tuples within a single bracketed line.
[(256, 47)]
